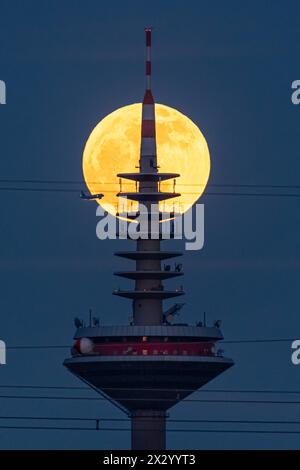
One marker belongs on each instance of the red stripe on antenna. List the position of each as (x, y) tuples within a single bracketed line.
[(148, 98), (148, 128), (148, 36)]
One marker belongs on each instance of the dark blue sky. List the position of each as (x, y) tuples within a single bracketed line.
[(229, 67)]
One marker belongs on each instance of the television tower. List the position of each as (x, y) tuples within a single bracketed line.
[(152, 364)]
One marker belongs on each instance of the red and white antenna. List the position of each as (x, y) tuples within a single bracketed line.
[(148, 98), (148, 141), (148, 32)]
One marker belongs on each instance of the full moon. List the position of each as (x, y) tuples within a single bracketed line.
[(114, 147)]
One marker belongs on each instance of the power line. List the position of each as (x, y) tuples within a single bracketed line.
[(53, 387), (249, 194), (50, 387), (129, 399), (99, 420), (216, 185), (258, 186), (64, 387), (60, 418), (42, 181), (63, 190), (51, 190), (224, 431), (59, 428), (98, 426)]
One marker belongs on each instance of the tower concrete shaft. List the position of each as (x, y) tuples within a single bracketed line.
[(148, 430)]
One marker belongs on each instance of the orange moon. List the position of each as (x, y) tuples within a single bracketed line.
[(114, 147)]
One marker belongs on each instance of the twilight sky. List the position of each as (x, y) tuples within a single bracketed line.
[(229, 67)]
